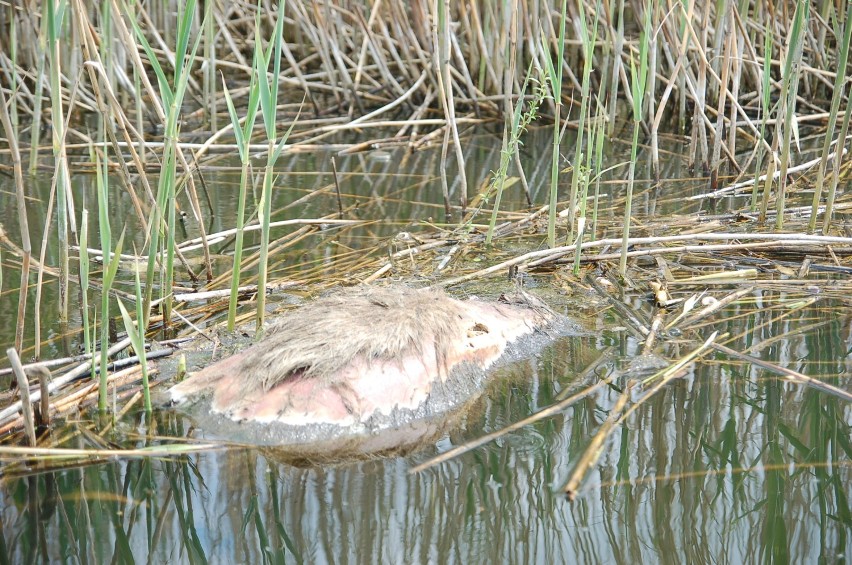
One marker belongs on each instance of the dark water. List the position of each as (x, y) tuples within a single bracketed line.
[(728, 464)]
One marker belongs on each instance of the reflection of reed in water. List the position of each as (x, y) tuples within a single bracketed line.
[(680, 460)]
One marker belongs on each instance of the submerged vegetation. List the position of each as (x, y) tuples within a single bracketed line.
[(149, 97)]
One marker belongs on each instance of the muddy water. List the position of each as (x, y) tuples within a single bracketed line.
[(728, 464)]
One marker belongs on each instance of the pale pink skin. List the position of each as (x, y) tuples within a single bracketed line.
[(364, 387)]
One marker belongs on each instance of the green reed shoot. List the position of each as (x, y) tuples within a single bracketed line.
[(789, 89), (38, 86), (136, 333), (140, 316), (555, 78), (596, 140), (511, 141), (638, 82), (588, 40), (55, 17), (835, 175), (242, 133), (839, 80), (109, 271), (210, 67), (585, 172), (172, 93), (599, 145), (268, 93), (765, 107), (616, 14), (84, 280)]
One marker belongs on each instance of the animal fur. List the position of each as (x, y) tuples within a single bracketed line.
[(361, 351)]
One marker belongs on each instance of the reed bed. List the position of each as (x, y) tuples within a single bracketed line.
[(140, 106)]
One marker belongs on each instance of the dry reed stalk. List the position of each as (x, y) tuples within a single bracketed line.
[(538, 258), (23, 224), (715, 160), (595, 448), (109, 106), (711, 308), (652, 90), (40, 276), (64, 198), (736, 77), (381, 48), (249, 289), (59, 382), (153, 97), (790, 375), (788, 310), (654, 331), (154, 451)]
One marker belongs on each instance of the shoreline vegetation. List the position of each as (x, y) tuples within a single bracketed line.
[(145, 96)]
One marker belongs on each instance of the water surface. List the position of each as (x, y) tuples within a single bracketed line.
[(728, 464)]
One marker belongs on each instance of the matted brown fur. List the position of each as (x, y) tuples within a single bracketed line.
[(362, 322), (362, 351)]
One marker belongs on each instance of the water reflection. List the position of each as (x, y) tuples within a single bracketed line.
[(726, 465)]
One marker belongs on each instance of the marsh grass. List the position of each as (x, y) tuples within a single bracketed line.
[(64, 204), (268, 94), (837, 96), (110, 269), (242, 132), (554, 74), (638, 84), (789, 95), (172, 92), (520, 121), (415, 75), (588, 38)]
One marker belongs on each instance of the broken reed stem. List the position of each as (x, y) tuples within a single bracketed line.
[(653, 332), (58, 382), (711, 308), (618, 415), (595, 448), (337, 188), (788, 374), (24, 389), (43, 375), (545, 256), (148, 452)]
